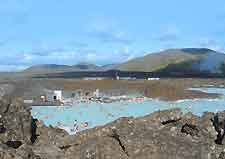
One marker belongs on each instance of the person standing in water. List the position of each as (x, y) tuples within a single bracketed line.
[(75, 124)]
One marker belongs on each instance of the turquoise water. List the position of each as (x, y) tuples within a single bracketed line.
[(99, 114)]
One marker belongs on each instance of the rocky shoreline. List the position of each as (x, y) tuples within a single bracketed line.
[(161, 135)]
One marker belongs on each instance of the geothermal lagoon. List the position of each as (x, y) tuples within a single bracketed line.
[(83, 116)]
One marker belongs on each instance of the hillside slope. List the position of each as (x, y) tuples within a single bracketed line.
[(185, 60), (54, 68), (181, 60)]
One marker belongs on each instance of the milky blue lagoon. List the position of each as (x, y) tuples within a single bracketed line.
[(99, 114)]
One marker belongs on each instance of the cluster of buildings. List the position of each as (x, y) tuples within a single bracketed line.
[(55, 95), (49, 97), (60, 98), (121, 78)]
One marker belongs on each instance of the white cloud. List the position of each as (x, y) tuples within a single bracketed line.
[(107, 31), (67, 56), (169, 34), (126, 49), (12, 68), (28, 57), (92, 57)]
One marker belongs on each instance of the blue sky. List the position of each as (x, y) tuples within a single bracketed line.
[(104, 32)]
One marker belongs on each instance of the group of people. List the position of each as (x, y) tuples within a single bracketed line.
[(77, 128)]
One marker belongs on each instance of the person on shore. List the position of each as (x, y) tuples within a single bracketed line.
[(189, 107), (75, 124), (84, 125), (77, 129), (59, 123)]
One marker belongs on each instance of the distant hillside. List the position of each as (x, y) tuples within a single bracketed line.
[(187, 60), (109, 67), (54, 68), (177, 60), (86, 66)]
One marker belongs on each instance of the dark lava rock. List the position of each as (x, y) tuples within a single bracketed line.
[(24, 152), (161, 135), (222, 155), (14, 144), (155, 136), (218, 121), (190, 129), (14, 122)]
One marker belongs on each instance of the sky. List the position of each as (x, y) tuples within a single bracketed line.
[(104, 32)]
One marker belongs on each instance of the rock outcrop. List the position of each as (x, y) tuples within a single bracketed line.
[(161, 135), (15, 123)]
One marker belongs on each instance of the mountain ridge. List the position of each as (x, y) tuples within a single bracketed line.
[(184, 59), (199, 59)]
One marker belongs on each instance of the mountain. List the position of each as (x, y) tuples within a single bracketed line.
[(86, 66), (47, 68), (177, 60), (109, 67), (187, 60), (54, 68)]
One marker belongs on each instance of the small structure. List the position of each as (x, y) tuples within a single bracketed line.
[(93, 78), (28, 101), (96, 93), (153, 79), (57, 95), (43, 98)]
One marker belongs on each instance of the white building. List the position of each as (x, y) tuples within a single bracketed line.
[(153, 79), (57, 95), (28, 101), (52, 95), (93, 78)]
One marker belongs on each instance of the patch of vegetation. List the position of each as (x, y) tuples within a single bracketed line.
[(182, 67)]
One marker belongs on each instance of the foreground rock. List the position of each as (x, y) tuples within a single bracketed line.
[(161, 135)]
